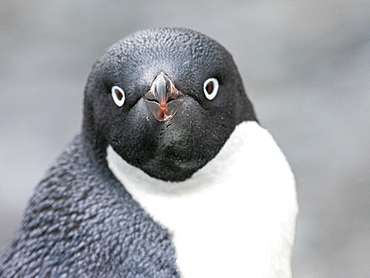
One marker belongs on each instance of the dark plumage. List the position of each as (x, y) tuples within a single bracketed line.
[(184, 143), (81, 222), (161, 148)]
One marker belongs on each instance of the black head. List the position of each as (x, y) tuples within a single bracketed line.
[(153, 97)]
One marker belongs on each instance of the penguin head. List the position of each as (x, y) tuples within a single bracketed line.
[(166, 100)]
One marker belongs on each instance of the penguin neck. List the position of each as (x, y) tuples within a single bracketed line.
[(94, 142), (242, 203)]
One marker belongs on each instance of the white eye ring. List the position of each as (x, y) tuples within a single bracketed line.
[(118, 95), (210, 88)]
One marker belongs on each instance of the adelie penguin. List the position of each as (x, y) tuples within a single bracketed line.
[(171, 175)]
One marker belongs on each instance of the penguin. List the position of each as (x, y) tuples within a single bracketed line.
[(171, 175)]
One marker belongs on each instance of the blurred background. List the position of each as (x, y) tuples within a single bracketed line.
[(305, 65)]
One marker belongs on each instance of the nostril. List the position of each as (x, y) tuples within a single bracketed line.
[(150, 96)]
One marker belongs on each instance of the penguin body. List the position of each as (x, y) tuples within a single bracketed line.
[(171, 176), (230, 219)]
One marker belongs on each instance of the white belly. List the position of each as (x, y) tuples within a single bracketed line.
[(235, 217)]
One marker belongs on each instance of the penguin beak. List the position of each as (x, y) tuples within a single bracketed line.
[(163, 99)]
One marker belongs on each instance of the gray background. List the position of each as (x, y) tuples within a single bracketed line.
[(306, 67)]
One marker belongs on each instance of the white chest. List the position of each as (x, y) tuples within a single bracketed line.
[(235, 217)]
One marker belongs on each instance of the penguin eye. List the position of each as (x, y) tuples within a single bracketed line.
[(210, 88), (118, 95)]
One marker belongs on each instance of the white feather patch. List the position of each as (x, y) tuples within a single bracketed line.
[(235, 217)]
